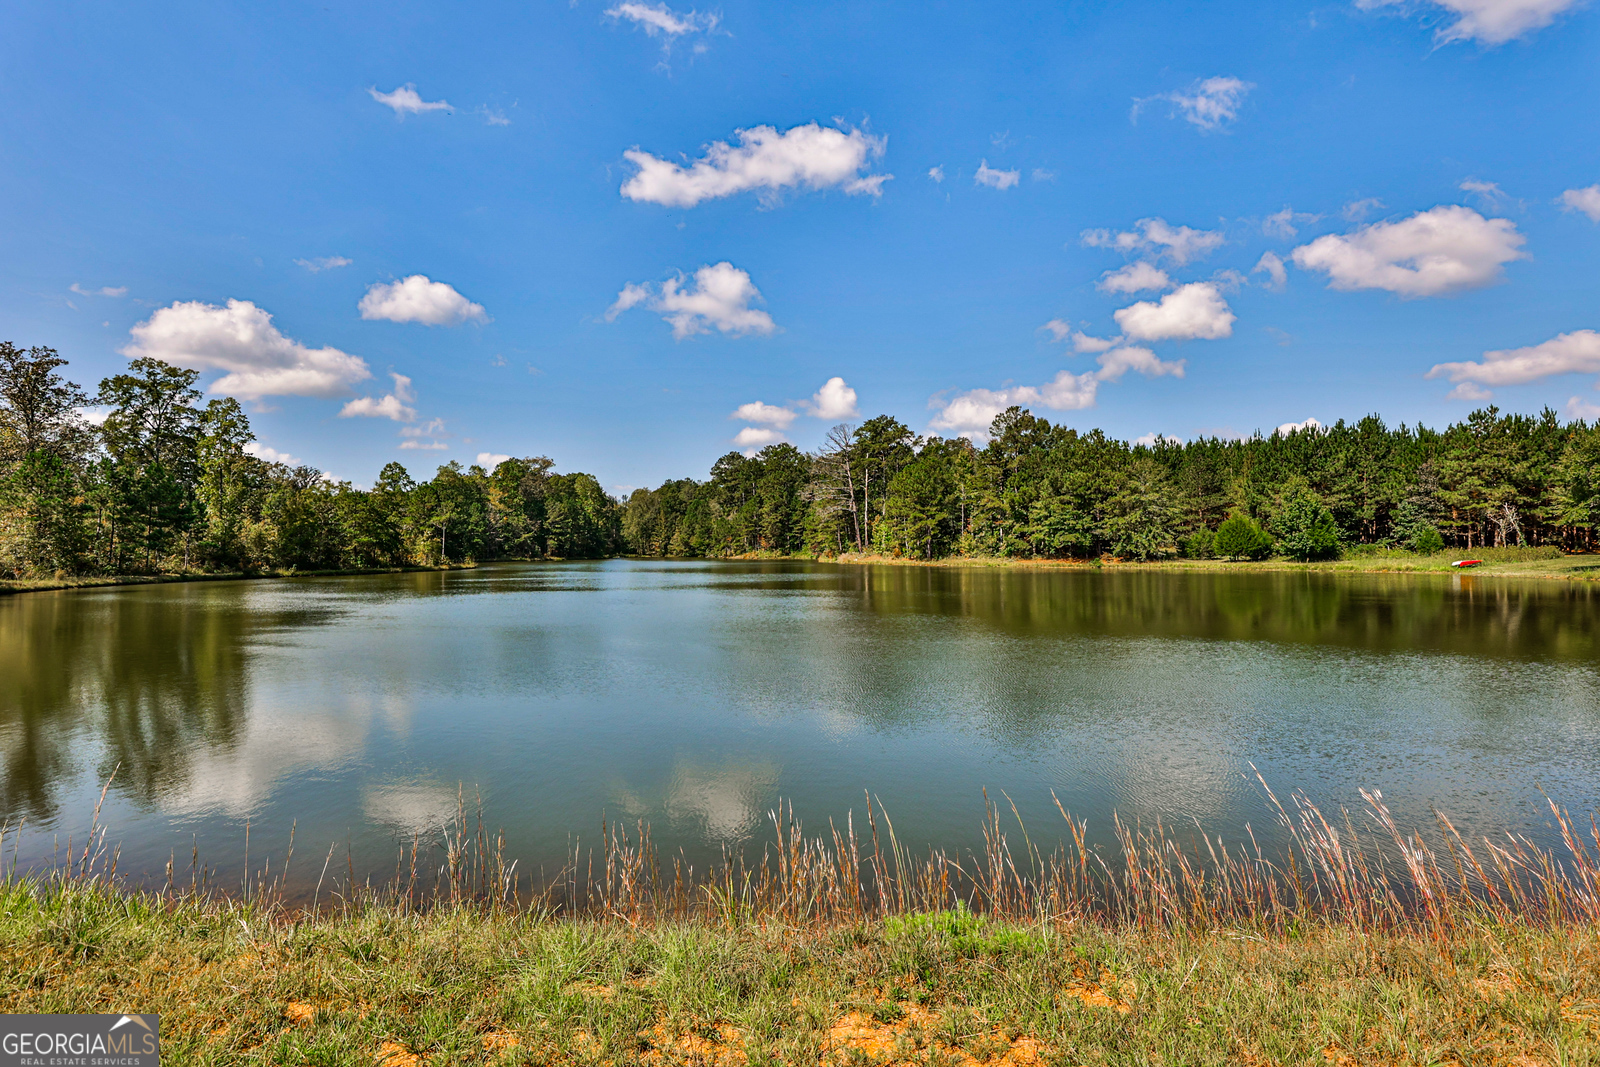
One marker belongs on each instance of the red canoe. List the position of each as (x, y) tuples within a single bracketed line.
[(1466, 563)]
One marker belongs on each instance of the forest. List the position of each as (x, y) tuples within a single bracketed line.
[(166, 483)]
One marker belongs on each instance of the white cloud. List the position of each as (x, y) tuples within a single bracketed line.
[(766, 161), (95, 415), (835, 400), (1210, 103), (1286, 223), (970, 413), (429, 437), (719, 296), (405, 101), (490, 460), (1082, 342), (752, 439), (1149, 440), (395, 405), (1489, 193), (419, 299), (631, 296), (241, 340), (493, 118), (1042, 175), (1578, 408), (270, 455), (1178, 243), (766, 414), (1060, 329), (1196, 310), (1291, 427), (1117, 362), (322, 263), (1488, 22), (661, 20), (1584, 200), (1272, 265), (1136, 277), (1568, 353), (104, 290), (1445, 250), (1358, 210), (996, 179), (936, 173), (1468, 391)]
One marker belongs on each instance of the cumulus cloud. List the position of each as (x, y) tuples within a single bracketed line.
[(1208, 104), (1271, 265), (835, 400), (1149, 440), (490, 460), (104, 290), (322, 263), (405, 101), (719, 297), (970, 413), (1291, 427), (241, 340), (419, 299), (765, 162), (1445, 250), (752, 438), (429, 437), (1489, 22), (395, 405), (1180, 244), (936, 173), (1578, 408), (1584, 200), (1196, 310), (268, 454), (995, 179), (1568, 353), (1117, 362), (1136, 277), (765, 414)]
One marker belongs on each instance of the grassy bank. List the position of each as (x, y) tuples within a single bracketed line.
[(38, 585), (1359, 944), (246, 984), (1501, 562)]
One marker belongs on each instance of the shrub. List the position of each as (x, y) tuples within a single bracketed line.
[(1240, 538), (1201, 544), (1306, 528), (1427, 540)]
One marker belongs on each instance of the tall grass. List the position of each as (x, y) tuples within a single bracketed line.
[(1354, 869)]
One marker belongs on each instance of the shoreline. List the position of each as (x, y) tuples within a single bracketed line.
[(15, 586), (1570, 568)]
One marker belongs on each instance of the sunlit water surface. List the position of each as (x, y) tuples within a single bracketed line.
[(695, 695)]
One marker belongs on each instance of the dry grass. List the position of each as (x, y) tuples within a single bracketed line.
[(1360, 944)]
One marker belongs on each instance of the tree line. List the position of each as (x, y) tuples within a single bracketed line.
[(168, 483)]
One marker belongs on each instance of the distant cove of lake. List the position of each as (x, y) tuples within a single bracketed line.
[(696, 695)]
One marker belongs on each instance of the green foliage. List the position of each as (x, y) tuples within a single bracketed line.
[(1200, 544), (1239, 537), (1305, 527), (1426, 539)]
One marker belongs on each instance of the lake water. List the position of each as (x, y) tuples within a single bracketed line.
[(695, 695)]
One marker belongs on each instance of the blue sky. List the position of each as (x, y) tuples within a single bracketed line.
[(542, 264)]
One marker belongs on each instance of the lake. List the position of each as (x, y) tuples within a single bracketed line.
[(695, 695)]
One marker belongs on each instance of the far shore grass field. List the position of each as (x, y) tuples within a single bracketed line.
[(1499, 562)]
